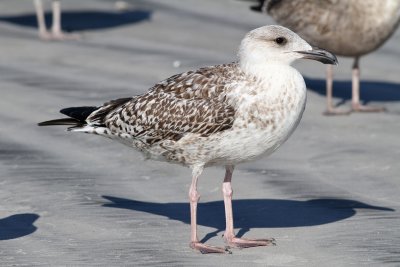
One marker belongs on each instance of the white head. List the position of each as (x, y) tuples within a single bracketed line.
[(278, 45)]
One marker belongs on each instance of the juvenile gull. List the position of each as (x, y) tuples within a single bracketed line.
[(346, 28), (219, 115)]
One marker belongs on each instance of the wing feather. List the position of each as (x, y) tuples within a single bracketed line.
[(191, 102)]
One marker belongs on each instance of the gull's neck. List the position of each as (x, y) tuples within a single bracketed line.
[(274, 78), (262, 70)]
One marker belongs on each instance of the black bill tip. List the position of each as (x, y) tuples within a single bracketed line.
[(320, 55)]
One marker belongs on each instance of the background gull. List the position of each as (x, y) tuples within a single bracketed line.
[(346, 28), (220, 115)]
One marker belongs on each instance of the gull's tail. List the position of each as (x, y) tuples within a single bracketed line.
[(87, 119), (77, 117)]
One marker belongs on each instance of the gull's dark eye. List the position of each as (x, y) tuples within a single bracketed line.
[(280, 40)]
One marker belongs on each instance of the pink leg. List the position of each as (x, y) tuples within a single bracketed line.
[(329, 90), (42, 31), (229, 236), (355, 102), (194, 197), (57, 33)]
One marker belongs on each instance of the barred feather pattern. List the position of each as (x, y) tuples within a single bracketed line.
[(191, 102)]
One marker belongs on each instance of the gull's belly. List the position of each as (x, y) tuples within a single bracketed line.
[(245, 144)]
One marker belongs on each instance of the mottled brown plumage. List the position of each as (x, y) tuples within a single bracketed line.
[(190, 102)]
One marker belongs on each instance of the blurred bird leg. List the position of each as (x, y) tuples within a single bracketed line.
[(42, 31), (56, 30), (229, 236), (330, 110), (355, 102)]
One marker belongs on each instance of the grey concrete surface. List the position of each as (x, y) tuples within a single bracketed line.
[(330, 196)]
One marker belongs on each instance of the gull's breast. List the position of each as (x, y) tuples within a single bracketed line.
[(265, 119)]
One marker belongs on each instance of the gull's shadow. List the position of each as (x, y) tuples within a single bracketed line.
[(17, 225), (370, 90), (84, 20), (252, 213)]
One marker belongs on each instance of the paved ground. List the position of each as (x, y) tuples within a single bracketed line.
[(330, 196)]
